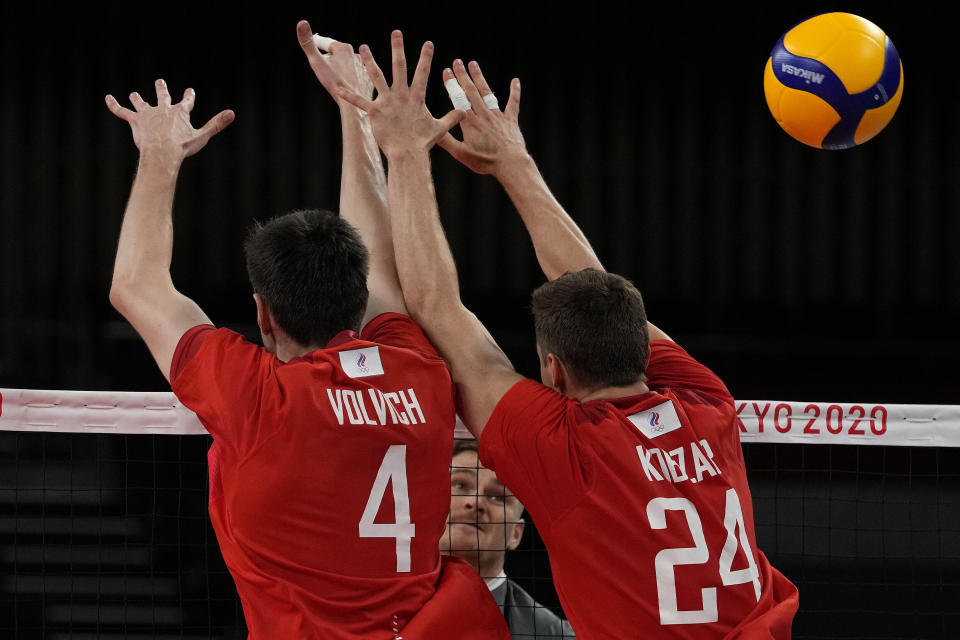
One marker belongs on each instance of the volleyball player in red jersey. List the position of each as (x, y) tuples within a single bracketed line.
[(329, 469), (627, 456)]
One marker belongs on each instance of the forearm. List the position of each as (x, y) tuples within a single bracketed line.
[(559, 243), (425, 264), (142, 290), (363, 181), (481, 371), (145, 247), (363, 202)]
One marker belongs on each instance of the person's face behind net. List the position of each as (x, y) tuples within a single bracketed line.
[(485, 518)]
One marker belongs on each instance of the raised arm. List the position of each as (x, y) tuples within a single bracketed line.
[(406, 131), (493, 144), (363, 182), (142, 289)]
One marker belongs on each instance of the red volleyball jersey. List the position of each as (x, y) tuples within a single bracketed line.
[(643, 506), (329, 477)]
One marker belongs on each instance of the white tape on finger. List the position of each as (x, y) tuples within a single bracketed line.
[(457, 95), (491, 101), (323, 42)]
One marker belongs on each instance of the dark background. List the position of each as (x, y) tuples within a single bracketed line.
[(794, 273)]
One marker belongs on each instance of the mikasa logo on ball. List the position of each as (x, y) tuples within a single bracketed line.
[(809, 76), (361, 363)]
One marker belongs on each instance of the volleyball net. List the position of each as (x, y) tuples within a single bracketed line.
[(104, 531)]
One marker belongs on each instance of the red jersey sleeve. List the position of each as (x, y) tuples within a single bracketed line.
[(398, 330), (529, 443), (187, 348), (219, 375), (670, 367)]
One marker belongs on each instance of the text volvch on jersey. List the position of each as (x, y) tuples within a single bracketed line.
[(375, 408)]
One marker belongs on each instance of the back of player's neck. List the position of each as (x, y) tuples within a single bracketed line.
[(287, 350), (612, 393)]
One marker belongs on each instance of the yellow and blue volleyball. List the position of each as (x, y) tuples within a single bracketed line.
[(833, 81)]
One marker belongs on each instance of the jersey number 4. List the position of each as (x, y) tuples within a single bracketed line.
[(393, 469), (667, 559)]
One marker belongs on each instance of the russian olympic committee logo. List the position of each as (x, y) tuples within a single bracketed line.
[(361, 363), (657, 420), (655, 425)]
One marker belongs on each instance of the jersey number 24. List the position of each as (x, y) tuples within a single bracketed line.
[(667, 559)]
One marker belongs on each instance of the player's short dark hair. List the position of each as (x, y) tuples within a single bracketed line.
[(310, 267), (595, 323)]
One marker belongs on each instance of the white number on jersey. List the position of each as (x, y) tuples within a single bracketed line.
[(393, 469), (733, 520), (667, 559)]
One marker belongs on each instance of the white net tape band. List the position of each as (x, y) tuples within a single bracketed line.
[(914, 425), (95, 412)]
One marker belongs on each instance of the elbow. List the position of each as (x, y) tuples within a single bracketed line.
[(126, 291), (418, 310), (423, 303), (441, 317), (120, 294), (130, 292)]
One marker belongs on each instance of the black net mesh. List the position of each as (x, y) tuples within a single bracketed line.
[(870, 536), (107, 536)]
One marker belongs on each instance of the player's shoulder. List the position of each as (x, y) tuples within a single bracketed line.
[(211, 345), (224, 336), (235, 337), (527, 387), (387, 324), (399, 331), (527, 394), (233, 346), (525, 407), (665, 347), (670, 368)]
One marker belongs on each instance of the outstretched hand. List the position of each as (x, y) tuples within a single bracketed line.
[(339, 68), (490, 136), (165, 129), (399, 116)]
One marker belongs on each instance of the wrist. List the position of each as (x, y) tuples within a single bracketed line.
[(160, 158), (403, 154), (512, 163), (348, 110)]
